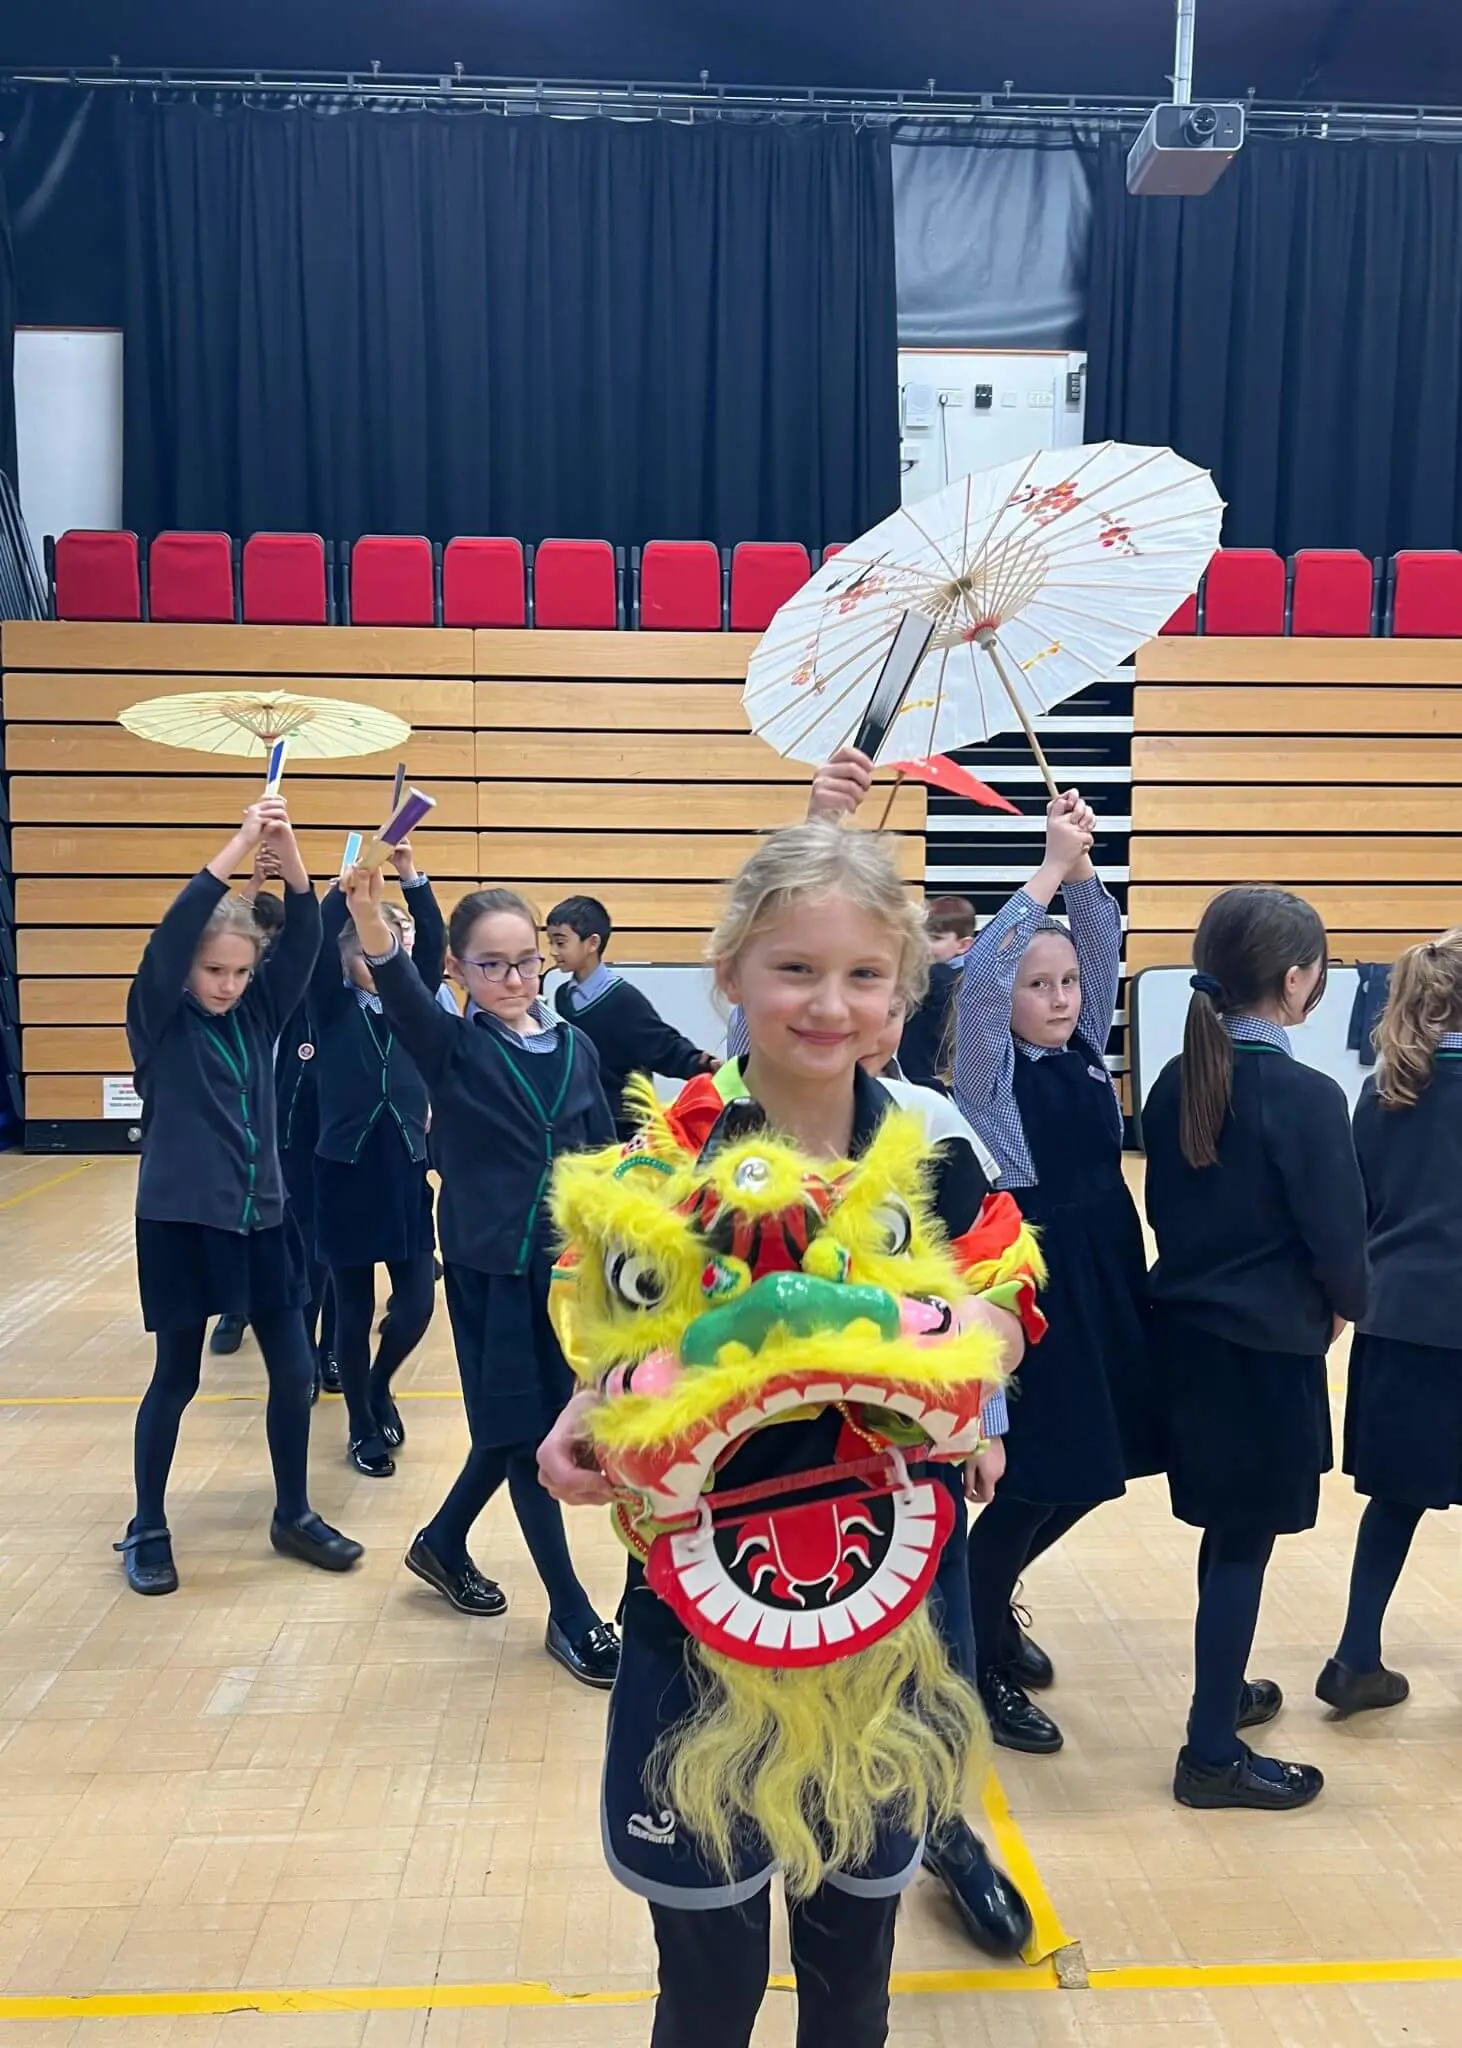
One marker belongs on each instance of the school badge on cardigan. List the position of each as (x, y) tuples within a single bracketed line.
[(715, 1290)]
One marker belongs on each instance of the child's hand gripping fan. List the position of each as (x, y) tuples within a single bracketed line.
[(713, 1295)]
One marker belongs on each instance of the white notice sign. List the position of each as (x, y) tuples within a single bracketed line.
[(120, 1101)]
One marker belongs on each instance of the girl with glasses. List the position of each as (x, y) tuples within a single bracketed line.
[(511, 1087)]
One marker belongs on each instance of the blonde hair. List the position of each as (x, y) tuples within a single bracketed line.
[(803, 862), (392, 914), (1425, 1001), (234, 918)]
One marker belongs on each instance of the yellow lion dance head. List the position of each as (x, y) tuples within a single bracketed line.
[(712, 1295)]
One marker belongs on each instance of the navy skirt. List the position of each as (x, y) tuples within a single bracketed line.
[(1248, 1432), (188, 1272), (1403, 1422), (376, 1210), (515, 1379)]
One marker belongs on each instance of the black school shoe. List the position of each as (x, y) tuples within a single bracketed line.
[(996, 1917), (1239, 1784), (147, 1559), (593, 1659), (1031, 1668), (1262, 1700), (228, 1335), (387, 1415), (467, 1590), (313, 1541), (369, 1456), (329, 1372), (1015, 1721), (1359, 1692)]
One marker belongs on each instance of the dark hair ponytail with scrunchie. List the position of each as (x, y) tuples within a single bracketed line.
[(1247, 941)]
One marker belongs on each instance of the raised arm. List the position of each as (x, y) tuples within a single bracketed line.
[(328, 991), (429, 954), (284, 974), (423, 1027), (162, 973)]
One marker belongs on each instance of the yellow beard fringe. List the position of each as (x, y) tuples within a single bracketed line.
[(816, 1760)]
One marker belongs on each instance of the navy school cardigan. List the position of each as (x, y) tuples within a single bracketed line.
[(500, 1117), (1411, 1163), (209, 1150), (362, 1071)]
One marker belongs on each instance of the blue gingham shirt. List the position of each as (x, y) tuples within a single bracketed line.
[(544, 1040), (985, 1049), (589, 990), (1245, 1030), (1450, 1041)]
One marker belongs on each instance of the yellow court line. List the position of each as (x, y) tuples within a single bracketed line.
[(1048, 1934), (56, 1180), (257, 1396), (370, 1998)]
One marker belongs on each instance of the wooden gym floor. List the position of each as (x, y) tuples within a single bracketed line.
[(304, 1812)]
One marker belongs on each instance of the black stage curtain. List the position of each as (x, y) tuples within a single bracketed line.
[(350, 320), (7, 339), (1298, 330)]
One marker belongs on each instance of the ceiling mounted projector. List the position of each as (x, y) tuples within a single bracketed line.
[(1185, 149)]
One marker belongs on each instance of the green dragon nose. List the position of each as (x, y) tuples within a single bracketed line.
[(800, 1303)]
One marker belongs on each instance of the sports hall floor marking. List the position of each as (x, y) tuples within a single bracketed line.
[(1049, 1937), (43, 1186)]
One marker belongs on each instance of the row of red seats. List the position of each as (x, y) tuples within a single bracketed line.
[(1327, 592), (402, 580), (682, 586)]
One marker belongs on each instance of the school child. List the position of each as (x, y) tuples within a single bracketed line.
[(228, 1331), (373, 1202), (1034, 1008), (629, 1034), (510, 1089), (1403, 1411), (1255, 1199), (926, 1048), (214, 1235), (817, 939)]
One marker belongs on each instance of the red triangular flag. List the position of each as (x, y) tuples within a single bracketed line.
[(942, 773)]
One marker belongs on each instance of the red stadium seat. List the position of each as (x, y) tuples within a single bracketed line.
[(190, 579), (1185, 618), (1426, 601), (483, 582), (834, 547), (680, 587), (1244, 593), (1333, 594), (575, 586), (97, 576), (392, 582), (764, 574), (284, 580)]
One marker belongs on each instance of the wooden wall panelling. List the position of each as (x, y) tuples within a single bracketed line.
[(641, 856), (352, 804), (110, 750), (1382, 664), (649, 807), (255, 651), (610, 707), (82, 1049), (181, 851), (1175, 949), (672, 657), (1167, 807), (62, 1098), (1311, 708), (67, 699), (1300, 858), (1355, 906), (81, 999), (59, 951), (1307, 757)]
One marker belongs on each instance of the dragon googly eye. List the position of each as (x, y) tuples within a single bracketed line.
[(633, 1280), (896, 1227)]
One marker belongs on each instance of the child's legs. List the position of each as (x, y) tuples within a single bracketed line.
[(354, 1290), (1003, 1539), (445, 1535), (173, 1384), (290, 1365), (842, 1952), (413, 1297), (1223, 1635), (1381, 1547), (712, 1973), (541, 1520)]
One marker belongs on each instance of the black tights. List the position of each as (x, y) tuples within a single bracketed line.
[(1381, 1547), (1007, 1537), (714, 1964), (539, 1517), (291, 1369), (1231, 1567), (320, 1310), (413, 1296)]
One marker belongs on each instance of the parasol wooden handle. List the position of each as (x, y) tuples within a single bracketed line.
[(898, 783), (991, 645)]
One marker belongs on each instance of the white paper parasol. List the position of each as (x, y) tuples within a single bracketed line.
[(1034, 580), (250, 721)]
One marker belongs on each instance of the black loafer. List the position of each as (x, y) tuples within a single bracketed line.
[(996, 1917), (370, 1457), (1261, 1701), (467, 1590), (388, 1417), (313, 1541), (329, 1372), (315, 1388), (147, 1559), (1031, 1668), (228, 1335), (1015, 1721), (593, 1659), (1359, 1692), (1239, 1784)]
